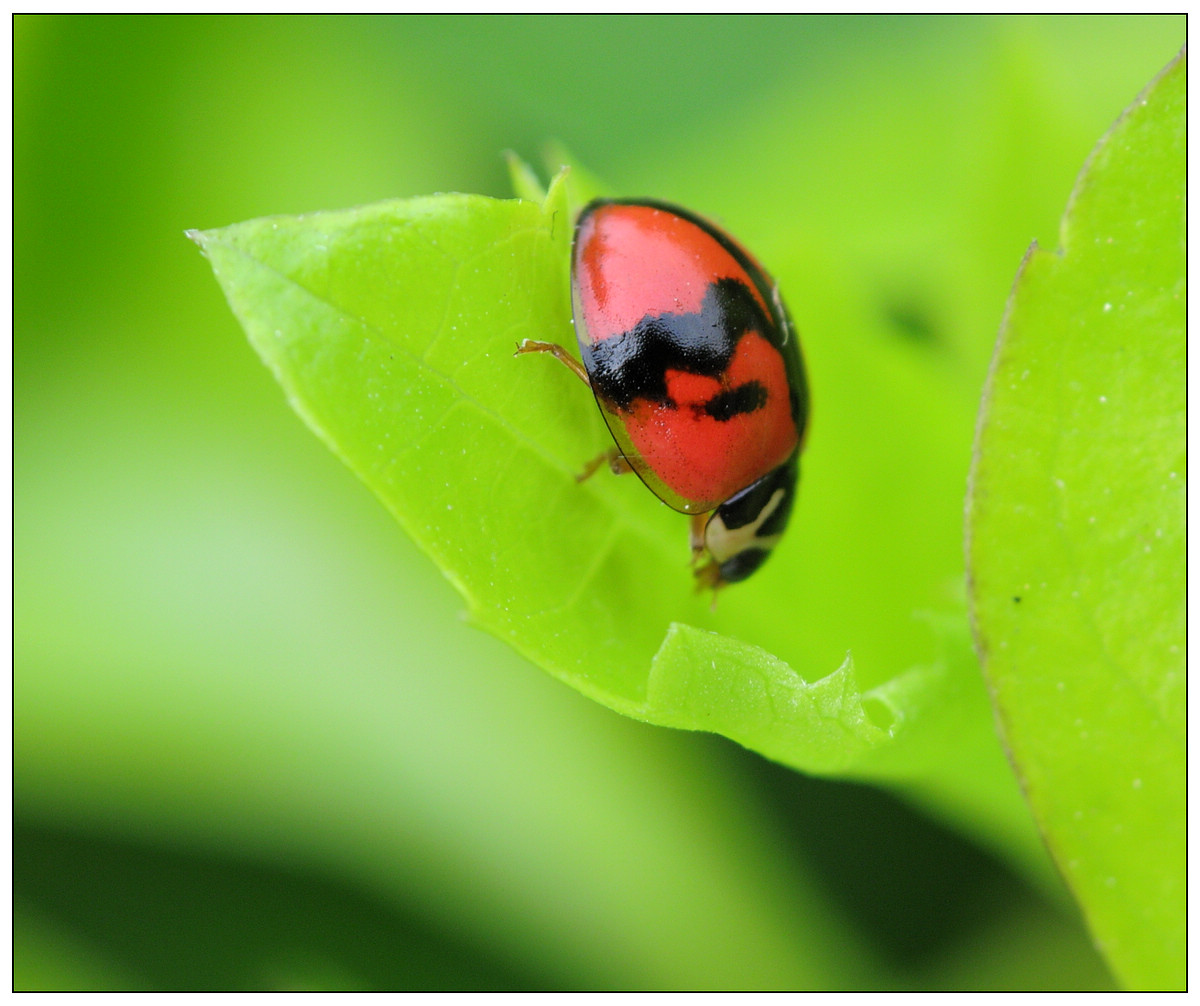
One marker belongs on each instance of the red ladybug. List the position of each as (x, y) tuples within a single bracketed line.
[(697, 371)]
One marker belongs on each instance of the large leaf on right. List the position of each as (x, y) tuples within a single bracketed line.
[(1076, 527)]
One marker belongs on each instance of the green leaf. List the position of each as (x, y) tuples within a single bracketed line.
[(392, 329), (1077, 533)]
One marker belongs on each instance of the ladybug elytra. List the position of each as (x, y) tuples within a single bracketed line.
[(697, 371)]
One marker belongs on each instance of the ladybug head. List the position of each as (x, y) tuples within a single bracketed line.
[(742, 531)]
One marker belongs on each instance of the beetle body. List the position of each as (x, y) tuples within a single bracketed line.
[(697, 371)]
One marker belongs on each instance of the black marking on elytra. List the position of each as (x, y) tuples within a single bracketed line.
[(748, 397), (745, 507), (634, 364)]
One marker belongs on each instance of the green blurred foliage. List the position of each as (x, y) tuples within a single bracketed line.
[(1077, 538), (254, 744)]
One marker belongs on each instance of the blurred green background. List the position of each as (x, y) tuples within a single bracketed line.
[(255, 744)]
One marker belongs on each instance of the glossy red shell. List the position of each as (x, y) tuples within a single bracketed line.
[(688, 351)]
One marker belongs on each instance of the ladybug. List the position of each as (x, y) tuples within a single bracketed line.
[(696, 368)]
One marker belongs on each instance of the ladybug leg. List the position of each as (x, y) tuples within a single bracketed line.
[(696, 526), (708, 574), (560, 354), (612, 457), (708, 577)]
